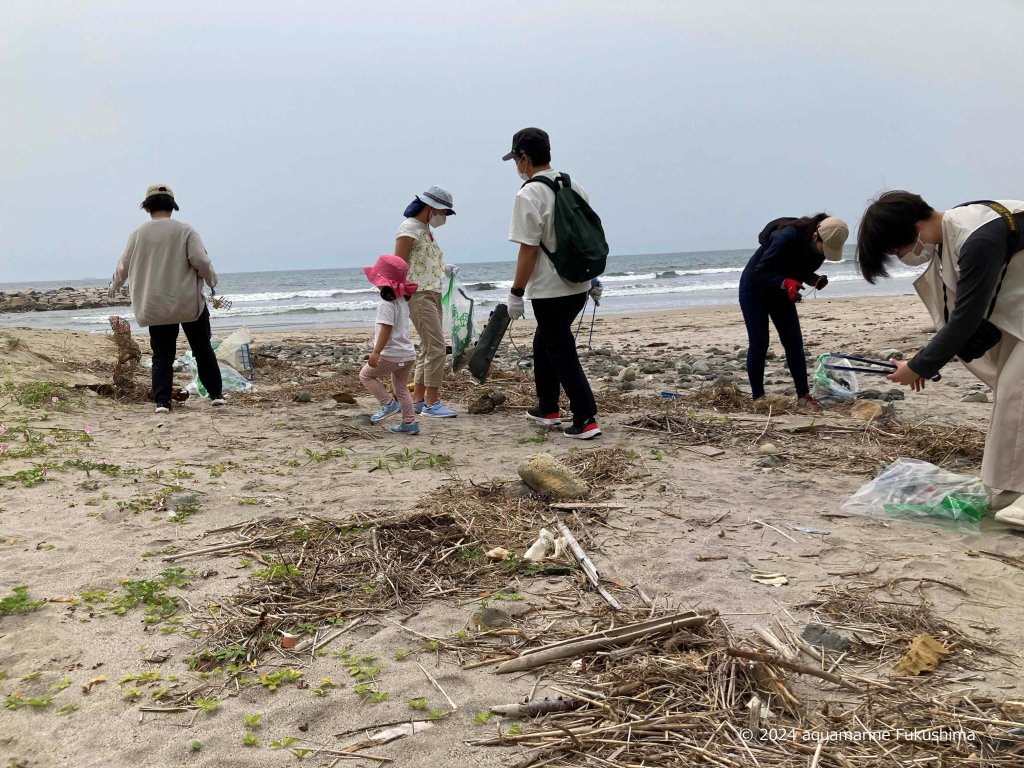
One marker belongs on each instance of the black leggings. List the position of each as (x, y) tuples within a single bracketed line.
[(757, 309), (164, 340)]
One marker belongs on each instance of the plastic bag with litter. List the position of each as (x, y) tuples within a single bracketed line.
[(235, 350), (909, 489), (457, 317), (232, 380), (831, 385)]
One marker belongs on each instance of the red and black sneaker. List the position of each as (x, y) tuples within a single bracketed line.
[(542, 417), (585, 431)]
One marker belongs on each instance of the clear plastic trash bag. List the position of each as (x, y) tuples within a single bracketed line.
[(909, 489), (833, 386)]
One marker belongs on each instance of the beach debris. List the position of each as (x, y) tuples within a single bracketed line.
[(1013, 710), (547, 475), (768, 449), (1016, 562), (820, 635), (869, 410), (589, 569), (536, 707), (810, 531), (289, 640), (498, 553), (387, 736), (782, 533), (344, 397), (605, 639), (302, 397), (770, 462), (487, 402), (542, 547), (925, 655), (974, 397), (770, 579)]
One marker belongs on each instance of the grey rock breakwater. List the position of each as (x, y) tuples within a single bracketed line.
[(61, 298)]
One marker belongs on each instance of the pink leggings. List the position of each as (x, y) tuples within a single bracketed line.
[(371, 378)]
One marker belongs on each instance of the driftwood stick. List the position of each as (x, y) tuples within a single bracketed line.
[(587, 565), (610, 639), (329, 638), (781, 533), (535, 707), (803, 669), (437, 685), (210, 550)]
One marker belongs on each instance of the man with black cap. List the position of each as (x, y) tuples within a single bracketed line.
[(165, 265), (555, 300)]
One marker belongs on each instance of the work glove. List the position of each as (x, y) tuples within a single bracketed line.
[(792, 289), (820, 281), (516, 307), (596, 291), (450, 271)]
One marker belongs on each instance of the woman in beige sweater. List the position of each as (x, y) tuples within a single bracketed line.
[(165, 265)]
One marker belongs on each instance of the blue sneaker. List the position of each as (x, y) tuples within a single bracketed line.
[(418, 406), (408, 429), (439, 411), (385, 411)]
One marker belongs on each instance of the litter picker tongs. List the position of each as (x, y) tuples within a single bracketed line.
[(878, 367)]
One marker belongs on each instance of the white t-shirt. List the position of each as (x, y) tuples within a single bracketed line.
[(533, 223), (426, 260), (396, 314)]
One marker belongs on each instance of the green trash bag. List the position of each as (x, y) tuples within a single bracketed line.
[(457, 320)]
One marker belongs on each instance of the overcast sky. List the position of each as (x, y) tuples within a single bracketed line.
[(294, 133)]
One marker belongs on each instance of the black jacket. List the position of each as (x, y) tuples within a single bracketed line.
[(784, 254)]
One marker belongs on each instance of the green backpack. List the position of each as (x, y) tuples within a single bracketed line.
[(582, 250)]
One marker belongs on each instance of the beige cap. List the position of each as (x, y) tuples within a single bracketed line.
[(163, 189), (833, 233)]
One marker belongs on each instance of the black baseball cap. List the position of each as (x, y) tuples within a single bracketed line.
[(528, 139)]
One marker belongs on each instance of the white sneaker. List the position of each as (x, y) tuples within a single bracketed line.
[(162, 409), (1012, 514), (218, 401)]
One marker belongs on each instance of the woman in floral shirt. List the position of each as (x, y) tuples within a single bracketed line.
[(415, 244)]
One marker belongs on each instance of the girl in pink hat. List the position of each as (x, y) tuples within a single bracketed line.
[(393, 353)]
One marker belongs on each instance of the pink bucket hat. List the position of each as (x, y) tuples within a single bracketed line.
[(391, 271)]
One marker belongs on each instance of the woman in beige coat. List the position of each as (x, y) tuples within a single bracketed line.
[(974, 291)]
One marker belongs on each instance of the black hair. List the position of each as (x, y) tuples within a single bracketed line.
[(414, 208), (160, 202), (388, 293), (889, 223), (538, 155), (806, 226)]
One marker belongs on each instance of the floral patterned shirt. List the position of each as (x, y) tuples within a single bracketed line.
[(426, 260)]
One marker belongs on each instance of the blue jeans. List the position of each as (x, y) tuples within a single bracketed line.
[(758, 308)]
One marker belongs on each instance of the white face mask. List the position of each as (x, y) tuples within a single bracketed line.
[(438, 220), (522, 174), (915, 258)]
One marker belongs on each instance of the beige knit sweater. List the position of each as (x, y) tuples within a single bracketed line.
[(165, 265)]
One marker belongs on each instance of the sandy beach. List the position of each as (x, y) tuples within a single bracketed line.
[(145, 654)]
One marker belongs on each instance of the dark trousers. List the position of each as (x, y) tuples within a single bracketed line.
[(757, 309), (555, 361), (164, 340)]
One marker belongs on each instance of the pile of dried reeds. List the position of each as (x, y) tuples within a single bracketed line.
[(310, 570), (696, 697)]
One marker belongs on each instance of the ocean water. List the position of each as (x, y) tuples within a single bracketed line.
[(331, 298)]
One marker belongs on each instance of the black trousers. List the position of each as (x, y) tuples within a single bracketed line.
[(164, 340), (555, 361), (758, 308)]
